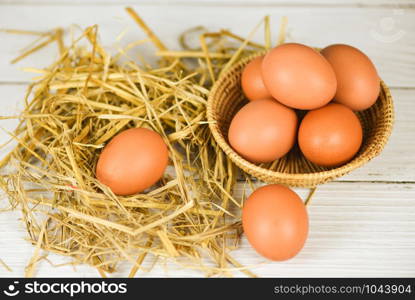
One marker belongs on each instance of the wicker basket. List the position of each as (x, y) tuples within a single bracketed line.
[(226, 98)]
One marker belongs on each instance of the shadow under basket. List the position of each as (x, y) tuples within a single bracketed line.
[(226, 98)]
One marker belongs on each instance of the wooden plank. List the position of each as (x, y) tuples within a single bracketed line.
[(360, 3), (396, 163), (385, 34), (356, 229)]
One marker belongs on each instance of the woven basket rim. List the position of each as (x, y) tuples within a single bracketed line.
[(372, 151)]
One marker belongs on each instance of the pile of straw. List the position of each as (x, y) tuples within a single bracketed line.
[(77, 105)]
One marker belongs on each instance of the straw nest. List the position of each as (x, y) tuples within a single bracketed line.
[(77, 105), (226, 98)]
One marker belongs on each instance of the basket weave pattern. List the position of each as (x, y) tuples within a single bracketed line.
[(226, 98)]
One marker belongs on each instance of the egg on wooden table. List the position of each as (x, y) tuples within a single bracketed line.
[(132, 161), (263, 130), (331, 135), (251, 81), (275, 222), (358, 83), (298, 76)]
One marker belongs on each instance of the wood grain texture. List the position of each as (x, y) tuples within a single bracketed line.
[(385, 34), (218, 3), (356, 229), (361, 225), (395, 164)]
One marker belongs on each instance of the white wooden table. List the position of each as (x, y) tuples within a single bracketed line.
[(360, 225)]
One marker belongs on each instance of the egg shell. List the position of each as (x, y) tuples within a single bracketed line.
[(298, 76), (251, 80), (275, 222), (132, 161), (358, 83), (263, 130), (331, 135)]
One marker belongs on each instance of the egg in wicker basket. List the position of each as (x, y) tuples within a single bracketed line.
[(225, 100)]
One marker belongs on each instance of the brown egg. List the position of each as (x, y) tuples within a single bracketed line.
[(275, 222), (251, 80), (298, 76), (133, 160), (331, 135), (263, 130), (358, 83)]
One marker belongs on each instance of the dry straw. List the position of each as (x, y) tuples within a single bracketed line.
[(226, 98), (77, 105)]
